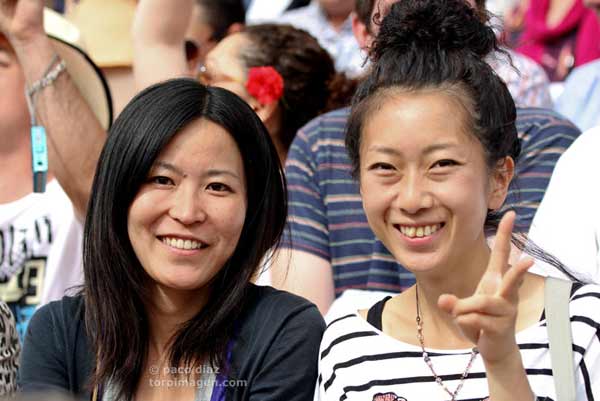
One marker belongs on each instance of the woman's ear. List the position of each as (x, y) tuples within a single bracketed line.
[(499, 181)]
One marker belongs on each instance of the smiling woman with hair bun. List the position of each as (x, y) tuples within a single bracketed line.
[(433, 144)]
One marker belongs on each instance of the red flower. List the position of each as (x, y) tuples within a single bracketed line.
[(265, 84)]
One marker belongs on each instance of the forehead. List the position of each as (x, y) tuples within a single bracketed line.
[(201, 135), (414, 120), (203, 145)]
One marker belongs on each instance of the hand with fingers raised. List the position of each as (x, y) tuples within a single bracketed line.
[(488, 317)]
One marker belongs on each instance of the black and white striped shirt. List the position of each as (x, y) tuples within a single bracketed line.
[(359, 362)]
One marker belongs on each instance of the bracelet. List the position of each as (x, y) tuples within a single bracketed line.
[(39, 149), (52, 72), (50, 75)]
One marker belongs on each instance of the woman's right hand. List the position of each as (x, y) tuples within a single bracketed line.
[(488, 317)]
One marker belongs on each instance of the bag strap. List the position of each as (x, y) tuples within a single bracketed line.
[(556, 300)]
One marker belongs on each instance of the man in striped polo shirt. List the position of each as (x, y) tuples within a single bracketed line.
[(329, 246)]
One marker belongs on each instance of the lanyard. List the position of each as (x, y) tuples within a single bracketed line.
[(39, 145)]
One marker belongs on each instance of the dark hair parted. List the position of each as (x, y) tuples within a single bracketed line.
[(311, 84), (114, 289), (441, 45), (221, 14)]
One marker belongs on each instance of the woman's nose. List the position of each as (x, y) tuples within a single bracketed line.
[(413, 195), (187, 206)]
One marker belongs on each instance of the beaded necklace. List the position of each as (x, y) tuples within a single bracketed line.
[(427, 359)]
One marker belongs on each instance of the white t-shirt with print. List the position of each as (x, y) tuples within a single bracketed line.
[(40, 251)]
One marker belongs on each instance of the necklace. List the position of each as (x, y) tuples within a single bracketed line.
[(429, 363)]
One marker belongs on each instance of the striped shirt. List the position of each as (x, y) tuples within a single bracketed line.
[(326, 217), (359, 362)]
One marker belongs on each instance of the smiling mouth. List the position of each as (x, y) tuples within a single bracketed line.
[(185, 244), (418, 231)]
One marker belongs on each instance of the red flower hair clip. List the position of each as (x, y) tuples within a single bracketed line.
[(265, 84)]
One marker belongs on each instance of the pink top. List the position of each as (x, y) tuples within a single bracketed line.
[(573, 42)]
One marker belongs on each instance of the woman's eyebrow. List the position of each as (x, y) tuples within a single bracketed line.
[(395, 152), (215, 172), (208, 173), (438, 146), (169, 166)]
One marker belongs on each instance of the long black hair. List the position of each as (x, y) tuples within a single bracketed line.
[(442, 45), (114, 290)]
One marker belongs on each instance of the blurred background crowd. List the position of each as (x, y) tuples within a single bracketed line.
[(558, 35)]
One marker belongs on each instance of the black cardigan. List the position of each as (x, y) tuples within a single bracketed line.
[(275, 352)]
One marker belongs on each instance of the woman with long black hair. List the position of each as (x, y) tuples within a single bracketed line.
[(188, 197)]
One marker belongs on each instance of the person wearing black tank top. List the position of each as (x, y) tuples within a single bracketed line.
[(433, 144)]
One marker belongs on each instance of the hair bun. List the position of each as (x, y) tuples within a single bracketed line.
[(435, 25)]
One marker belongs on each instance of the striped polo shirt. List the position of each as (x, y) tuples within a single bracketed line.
[(326, 217)]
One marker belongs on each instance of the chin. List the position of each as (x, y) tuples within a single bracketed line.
[(183, 283), (419, 264), (187, 287)]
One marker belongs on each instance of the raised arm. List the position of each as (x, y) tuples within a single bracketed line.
[(158, 32), (75, 137)]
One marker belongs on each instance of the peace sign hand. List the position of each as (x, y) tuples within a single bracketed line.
[(21, 20), (488, 317)]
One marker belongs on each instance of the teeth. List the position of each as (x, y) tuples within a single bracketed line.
[(182, 244), (421, 231)]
